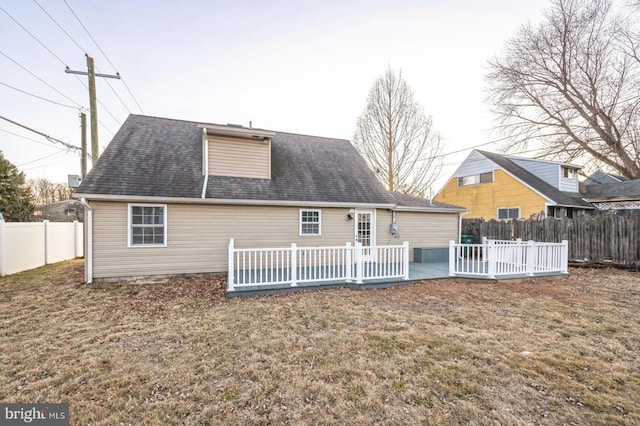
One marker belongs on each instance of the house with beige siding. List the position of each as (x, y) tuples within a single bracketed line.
[(167, 196)]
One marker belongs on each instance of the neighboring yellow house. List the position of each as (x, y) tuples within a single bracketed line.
[(493, 186)]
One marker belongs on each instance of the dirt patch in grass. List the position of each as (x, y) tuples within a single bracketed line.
[(539, 351)]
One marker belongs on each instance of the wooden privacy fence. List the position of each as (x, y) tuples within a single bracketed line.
[(598, 239), (27, 245)]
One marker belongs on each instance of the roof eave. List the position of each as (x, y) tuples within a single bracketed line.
[(227, 201)]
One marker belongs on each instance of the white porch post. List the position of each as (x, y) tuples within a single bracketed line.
[(531, 257), (564, 256), (484, 249), (230, 273), (491, 257), (348, 263), (294, 265), (405, 259), (359, 263), (452, 258)]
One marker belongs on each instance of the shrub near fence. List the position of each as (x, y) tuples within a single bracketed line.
[(27, 245), (598, 239)]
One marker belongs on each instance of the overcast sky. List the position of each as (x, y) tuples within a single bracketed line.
[(294, 66)]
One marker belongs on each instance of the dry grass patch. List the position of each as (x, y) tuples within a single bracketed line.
[(539, 351)]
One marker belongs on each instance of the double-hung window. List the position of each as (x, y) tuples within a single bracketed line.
[(507, 213), (310, 223), (147, 225)]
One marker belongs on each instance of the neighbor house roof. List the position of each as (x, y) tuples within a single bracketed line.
[(600, 177), (561, 198), (159, 157), (410, 202), (618, 191)]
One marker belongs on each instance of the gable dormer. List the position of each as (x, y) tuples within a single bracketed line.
[(562, 176), (236, 151)]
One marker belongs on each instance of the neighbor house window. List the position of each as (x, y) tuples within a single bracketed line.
[(475, 179), (147, 225), (309, 222), (569, 173), (507, 213)]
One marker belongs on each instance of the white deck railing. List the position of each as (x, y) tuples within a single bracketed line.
[(494, 258), (294, 265)]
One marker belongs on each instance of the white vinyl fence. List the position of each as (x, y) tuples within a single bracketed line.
[(28, 245), (496, 258), (292, 265)]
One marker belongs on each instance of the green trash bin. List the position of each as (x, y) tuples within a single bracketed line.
[(466, 239)]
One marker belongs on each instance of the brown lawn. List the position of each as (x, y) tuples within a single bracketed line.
[(538, 351)]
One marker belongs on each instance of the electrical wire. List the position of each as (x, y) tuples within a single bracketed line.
[(100, 103), (40, 79), (33, 140), (34, 37), (36, 96), (103, 53), (49, 138), (41, 158), (81, 49)]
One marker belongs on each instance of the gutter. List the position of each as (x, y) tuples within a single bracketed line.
[(88, 249), (229, 201), (205, 162)]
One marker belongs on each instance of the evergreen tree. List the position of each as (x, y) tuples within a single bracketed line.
[(15, 197)]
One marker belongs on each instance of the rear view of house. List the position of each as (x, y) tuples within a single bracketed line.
[(167, 196)]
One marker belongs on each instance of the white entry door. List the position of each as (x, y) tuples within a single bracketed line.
[(365, 232)]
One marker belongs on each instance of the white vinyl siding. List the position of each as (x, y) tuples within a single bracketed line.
[(421, 229), (310, 222), (198, 235), (229, 156), (475, 164), (569, 179)]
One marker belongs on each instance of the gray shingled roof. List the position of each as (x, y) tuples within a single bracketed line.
[(600, 177), (161, 157), (561, 198), (404, 200), (629, 189)]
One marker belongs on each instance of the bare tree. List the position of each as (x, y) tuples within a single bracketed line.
[(571, 86), (397, 139), (44, 191)]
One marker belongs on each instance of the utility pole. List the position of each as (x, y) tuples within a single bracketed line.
[(91, 74), (83, 144)]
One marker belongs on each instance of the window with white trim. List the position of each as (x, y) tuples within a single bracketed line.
[(507, 213), (147, 225), (310, 222), (475, 179)]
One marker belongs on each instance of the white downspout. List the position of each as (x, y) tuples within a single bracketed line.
[(205, 162), (88, 260)]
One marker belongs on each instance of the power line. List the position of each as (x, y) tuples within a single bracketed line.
[(32, 140), (114, 92), (27, 70), (60, 26), (49, 138), (41, 158), (82, 49), (104, 54), (101, 104), (34, 37), (36, 96), (45, 165)]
